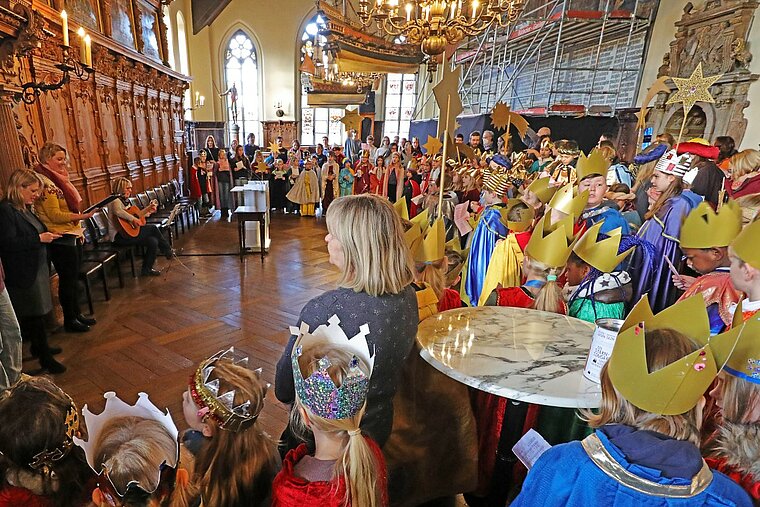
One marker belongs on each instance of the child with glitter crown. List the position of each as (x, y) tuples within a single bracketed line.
[(744, 253), (331, 375), (236, 461)]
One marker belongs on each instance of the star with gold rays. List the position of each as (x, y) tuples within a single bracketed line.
[(261, 167), (433, 145), (273, 147), (500, 115), (447, 97), (695, 88), (352, 120)]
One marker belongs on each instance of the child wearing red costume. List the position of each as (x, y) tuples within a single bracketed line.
[(331, 375)]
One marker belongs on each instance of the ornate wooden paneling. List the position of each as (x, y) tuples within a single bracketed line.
[(120, 122)]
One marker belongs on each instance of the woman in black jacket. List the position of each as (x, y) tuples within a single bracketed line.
[(23, 239)]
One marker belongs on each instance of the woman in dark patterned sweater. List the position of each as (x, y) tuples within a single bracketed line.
[(365, 241)]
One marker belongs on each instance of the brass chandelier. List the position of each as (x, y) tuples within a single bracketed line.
[(434, 24)]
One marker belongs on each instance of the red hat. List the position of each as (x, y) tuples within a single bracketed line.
[(699, 149)]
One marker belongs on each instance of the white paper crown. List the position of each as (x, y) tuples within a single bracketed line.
[(331, 333), (116, 408)]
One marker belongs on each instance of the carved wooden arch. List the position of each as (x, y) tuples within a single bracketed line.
[(708, 110)]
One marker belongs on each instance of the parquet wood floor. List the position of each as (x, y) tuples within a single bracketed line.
[(154, 332)]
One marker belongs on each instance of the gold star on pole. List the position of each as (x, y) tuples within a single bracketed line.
[(447, 97), (433, 145), (500, 115), (274, 148), (352, 120), (261, 167), (695, 88)]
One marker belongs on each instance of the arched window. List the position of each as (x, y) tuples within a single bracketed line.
[(317, 122), (169, 39), (241, 82), (184, 65)]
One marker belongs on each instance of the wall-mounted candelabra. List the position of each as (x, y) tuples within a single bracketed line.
[(82, 69)]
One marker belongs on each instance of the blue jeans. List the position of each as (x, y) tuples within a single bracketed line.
[(225, 197), (10, 343)]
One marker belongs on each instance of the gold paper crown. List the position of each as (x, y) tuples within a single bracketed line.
[(412, 237), (747, 244), (569, 201), (498, 183), (453, 271), (543, 189), (678, 387), (603, 255), (401, 209), (594, 164), (566, 148), (703, 228), (739, 349), (551, 249), (433, 245), (422, 220), (527, 215)]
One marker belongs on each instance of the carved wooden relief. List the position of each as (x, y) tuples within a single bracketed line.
[(714, 35), (119, 122)]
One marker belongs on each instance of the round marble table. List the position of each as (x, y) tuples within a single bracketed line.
[(520, 354)]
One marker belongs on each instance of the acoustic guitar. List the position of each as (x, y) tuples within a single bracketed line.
[(133, 229)]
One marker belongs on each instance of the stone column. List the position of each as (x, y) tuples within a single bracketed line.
[(13, 157)]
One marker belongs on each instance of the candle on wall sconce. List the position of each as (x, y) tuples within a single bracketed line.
[(201, 101), (65, 27), (82, 46), (87, 51)]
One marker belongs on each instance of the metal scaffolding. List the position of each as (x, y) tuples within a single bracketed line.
[(561, 57)]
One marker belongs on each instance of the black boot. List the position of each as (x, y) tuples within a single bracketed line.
[(75, 326), (51, 365), (87, 321)]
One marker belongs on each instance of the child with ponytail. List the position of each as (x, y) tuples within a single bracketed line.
[(331, 375)]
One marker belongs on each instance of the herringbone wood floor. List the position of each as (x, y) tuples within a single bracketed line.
[(153, 333)]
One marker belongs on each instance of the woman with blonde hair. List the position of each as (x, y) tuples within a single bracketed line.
[(365, 241), (23, 252), (347, 468), (745, 174), (59, 209), (149, 236)]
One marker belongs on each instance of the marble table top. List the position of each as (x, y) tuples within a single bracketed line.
[(252, 186), (521, 354)]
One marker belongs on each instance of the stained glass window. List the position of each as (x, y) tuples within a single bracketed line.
[(241, 76)]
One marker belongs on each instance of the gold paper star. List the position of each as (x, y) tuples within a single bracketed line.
[(500, 115), (461, 149), (352, 120), (261, 167), (274, 148), (433, 145), (447, 94), (693, 89)]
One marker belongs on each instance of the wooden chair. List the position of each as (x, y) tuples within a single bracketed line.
[(100, 234), (107, 257)]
